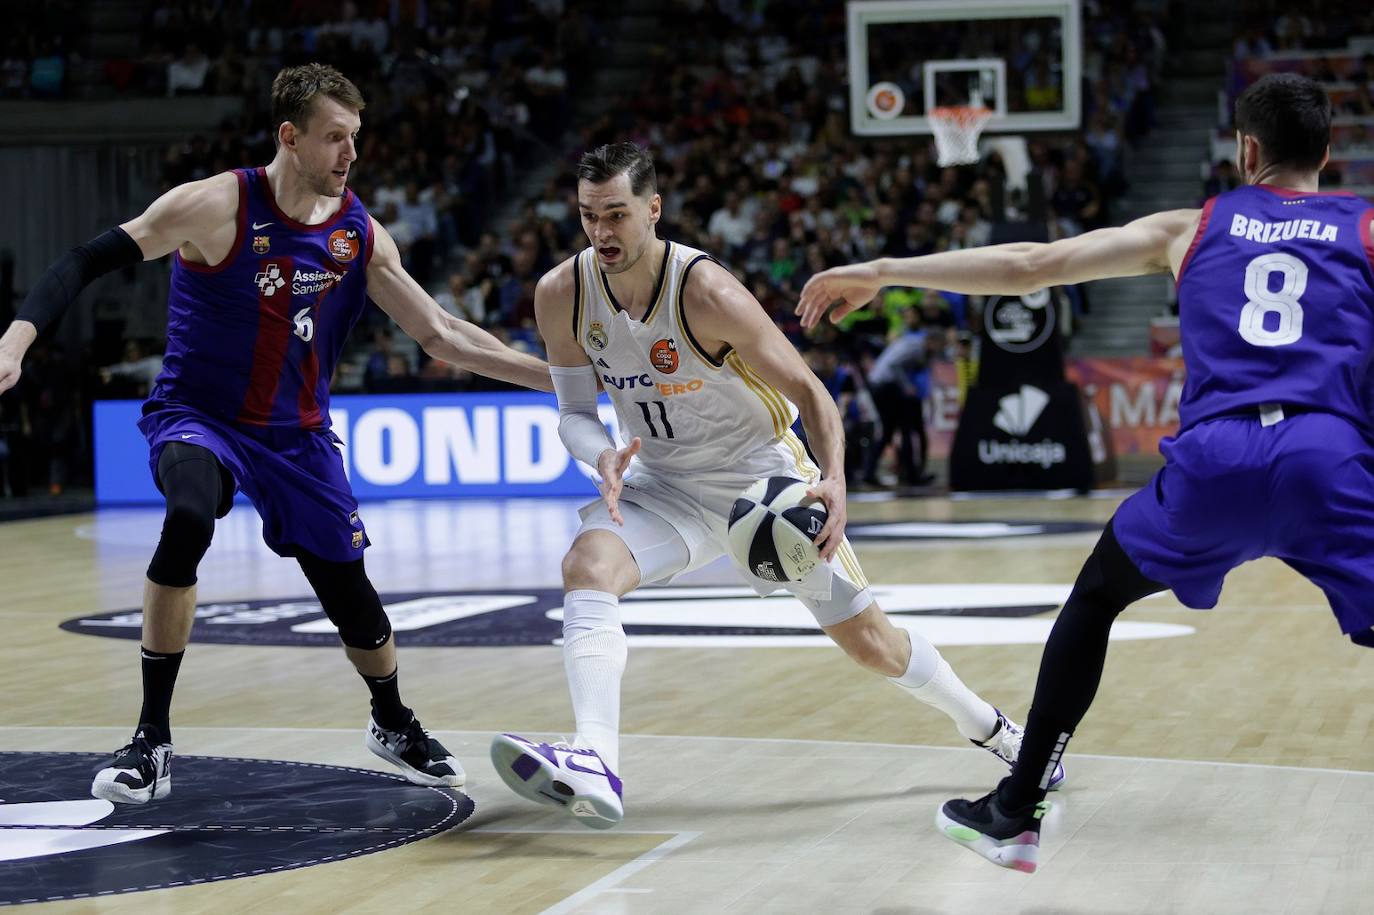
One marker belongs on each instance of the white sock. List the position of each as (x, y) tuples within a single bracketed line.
[(929, 678), (594, 654)]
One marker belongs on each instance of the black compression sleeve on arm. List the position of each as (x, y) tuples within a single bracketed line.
[(59, 286)]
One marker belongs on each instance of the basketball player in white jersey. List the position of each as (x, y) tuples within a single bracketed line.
[(704, 385)]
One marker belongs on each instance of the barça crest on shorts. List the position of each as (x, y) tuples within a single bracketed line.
[(663, 355), (261, 244), (357, 539), (596, 336), (344, 245)]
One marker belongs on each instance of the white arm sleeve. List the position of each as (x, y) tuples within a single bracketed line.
[(579, 425)]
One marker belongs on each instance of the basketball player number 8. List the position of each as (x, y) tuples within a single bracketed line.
[(1283, 302)]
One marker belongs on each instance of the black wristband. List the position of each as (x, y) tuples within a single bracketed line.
[(61, 283)]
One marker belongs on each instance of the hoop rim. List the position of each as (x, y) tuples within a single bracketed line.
[(960, 114)]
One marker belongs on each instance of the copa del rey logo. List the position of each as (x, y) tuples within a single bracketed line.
[(1016, 415)]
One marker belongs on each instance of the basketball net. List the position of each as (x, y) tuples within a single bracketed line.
[(956, 129)]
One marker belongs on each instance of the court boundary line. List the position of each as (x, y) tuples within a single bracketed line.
[(611, 882), (778, 740)]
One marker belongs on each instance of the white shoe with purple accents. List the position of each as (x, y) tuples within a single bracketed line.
[(574, 778)]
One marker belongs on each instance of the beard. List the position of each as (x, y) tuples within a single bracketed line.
[(320, 183)]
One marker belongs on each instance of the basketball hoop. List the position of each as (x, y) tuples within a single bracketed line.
[(956, 129)]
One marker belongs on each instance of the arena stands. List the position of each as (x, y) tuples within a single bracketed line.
[(756, 162), (1334, 46)]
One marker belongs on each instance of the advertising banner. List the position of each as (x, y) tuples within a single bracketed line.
[(396, 446), (506, 444), (1136, 398)]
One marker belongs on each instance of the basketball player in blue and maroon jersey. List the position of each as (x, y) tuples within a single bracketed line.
[(272, 268), (1274, 456)]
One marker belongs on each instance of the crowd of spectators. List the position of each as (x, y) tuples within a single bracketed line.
[(1268, 26), (755, 164), (1328, 42), (460, 97)]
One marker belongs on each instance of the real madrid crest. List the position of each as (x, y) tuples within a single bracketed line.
[(261, 244), (596, 336)]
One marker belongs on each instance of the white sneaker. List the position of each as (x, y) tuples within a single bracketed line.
[(140, 771), (1005, 744), (574, 778)]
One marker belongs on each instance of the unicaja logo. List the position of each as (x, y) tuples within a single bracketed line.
[(1016, 416), (1017, 413)]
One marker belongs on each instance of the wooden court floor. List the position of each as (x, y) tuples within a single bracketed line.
[(1227, 766)]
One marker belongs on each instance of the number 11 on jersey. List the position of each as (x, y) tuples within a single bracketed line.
[(662, 418)]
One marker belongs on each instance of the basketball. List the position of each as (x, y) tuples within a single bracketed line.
[(773, 526)]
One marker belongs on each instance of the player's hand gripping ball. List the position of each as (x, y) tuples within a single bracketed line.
[(773, 526)]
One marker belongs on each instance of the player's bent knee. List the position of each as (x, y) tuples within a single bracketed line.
[(599, 561), (349, 601), (186, 534), (364, 627)]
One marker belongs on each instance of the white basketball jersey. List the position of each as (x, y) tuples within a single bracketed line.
[(693, 412)]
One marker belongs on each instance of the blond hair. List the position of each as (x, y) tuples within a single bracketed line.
[(295, 89)]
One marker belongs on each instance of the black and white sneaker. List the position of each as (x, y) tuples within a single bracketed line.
[(140, 771), (1009, 838), (421, 758)]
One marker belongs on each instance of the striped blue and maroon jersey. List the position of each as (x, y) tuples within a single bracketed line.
[(1276, 304), (254, 338)]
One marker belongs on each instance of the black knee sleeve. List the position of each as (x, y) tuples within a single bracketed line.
[(1109, 580), (193, 482), (349, 600)]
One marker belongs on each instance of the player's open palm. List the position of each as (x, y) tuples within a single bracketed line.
[(9, 371), (832, 493), (611, 466), (853, 287)]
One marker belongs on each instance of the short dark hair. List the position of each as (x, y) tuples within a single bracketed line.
[(1290, 116), (605, 162), (295, 89)]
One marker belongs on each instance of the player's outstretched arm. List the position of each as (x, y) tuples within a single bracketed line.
[(443, 336), (1151, 244), (184, 214), (721, 310), (574, 380)]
